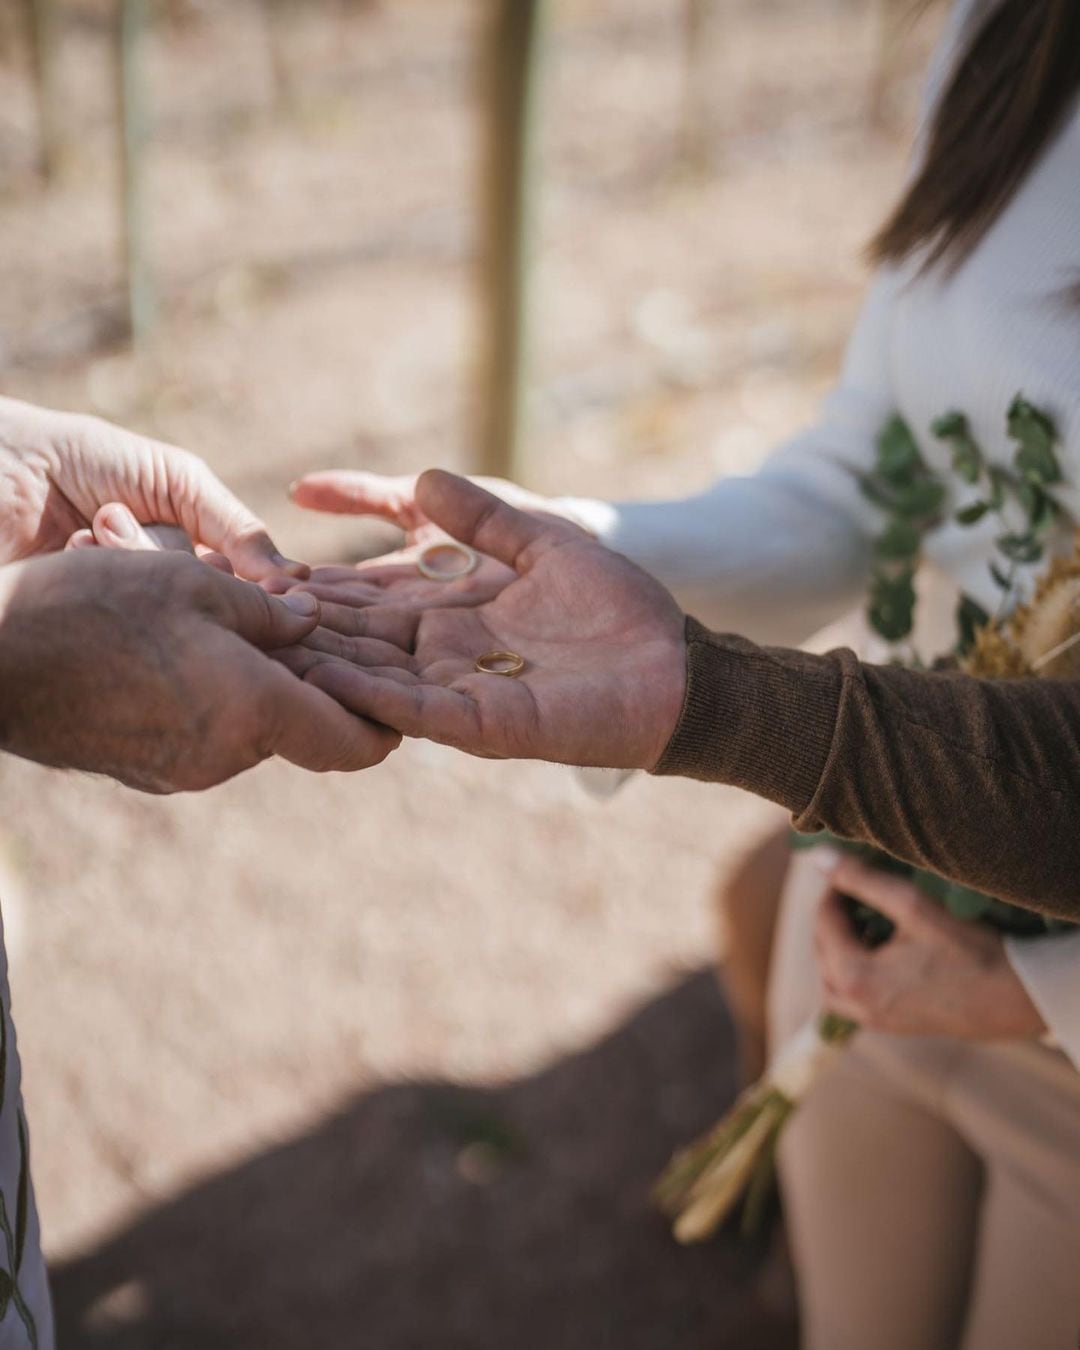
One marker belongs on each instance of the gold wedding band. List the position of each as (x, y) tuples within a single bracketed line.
[(468, 560), (500, 663)]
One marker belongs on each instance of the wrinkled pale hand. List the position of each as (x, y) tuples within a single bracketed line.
[(392, 579), (59, 470), (935, 976), (603, 644)]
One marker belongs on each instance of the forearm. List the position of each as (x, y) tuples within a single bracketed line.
[(66, 653), (23, 681), (977, 780)]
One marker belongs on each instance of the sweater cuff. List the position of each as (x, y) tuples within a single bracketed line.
[(1047, 967), (757, 718)]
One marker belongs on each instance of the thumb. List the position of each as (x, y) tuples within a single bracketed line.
[(896, 897), (266, 621), (114, 526), (351, 493), (475, 517), (214, 517)]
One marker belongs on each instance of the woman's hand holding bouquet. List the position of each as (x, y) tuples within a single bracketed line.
[(935, 976)]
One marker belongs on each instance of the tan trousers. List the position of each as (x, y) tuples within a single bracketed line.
[(931, 1186)]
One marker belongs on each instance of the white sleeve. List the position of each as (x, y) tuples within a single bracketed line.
[(1049, 969), (780, 553)]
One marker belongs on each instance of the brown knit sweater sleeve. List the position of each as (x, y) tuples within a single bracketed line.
[(978, 780)]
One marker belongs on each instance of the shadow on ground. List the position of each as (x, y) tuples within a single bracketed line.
[(452, 1218)]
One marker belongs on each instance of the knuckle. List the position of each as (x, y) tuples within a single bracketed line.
[(489, 512)]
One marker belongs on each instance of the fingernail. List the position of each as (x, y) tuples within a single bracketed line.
[(300, 602), (825, 858), (120, 523)]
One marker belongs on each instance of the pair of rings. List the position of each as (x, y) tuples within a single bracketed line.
[(447, 560)]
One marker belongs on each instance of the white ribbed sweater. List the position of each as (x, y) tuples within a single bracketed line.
[(780, 553)]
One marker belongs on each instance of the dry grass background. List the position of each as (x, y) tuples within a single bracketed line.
[(389, 1060)]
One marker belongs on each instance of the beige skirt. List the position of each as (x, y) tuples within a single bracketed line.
[(931, 1185)]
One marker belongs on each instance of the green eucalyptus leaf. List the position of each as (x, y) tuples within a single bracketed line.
[(835, 1029), (901, 539), (1036, 434), (1010, 919), (897, 451), (963, 903), (923, 497), (930, 883), (949, 425), (1037, 466), (970, 514), (797, 840), (999, 576), (1020, 548), (970, 617), (1000, 479), (879, 492), (967, 459), (891, 609), (1038, 506)]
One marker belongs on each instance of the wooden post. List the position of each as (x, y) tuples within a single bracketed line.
[(511, 75), (43, 30), (9, 35), (278, 17), (887, 18), (133, 21), (697, 111)]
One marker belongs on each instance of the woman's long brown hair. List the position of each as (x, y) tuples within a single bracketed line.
[(1003, 104)]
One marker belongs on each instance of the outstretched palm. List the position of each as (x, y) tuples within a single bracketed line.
[(602, 642), (394, 579)]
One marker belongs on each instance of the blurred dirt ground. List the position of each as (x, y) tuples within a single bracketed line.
[(391, 1061)]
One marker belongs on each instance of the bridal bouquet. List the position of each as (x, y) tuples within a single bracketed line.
[(734, 1161)]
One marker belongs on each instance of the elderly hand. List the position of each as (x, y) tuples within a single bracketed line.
[(57, 470), (603, 645), (935, 976), (148, 668), (393, 578)]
